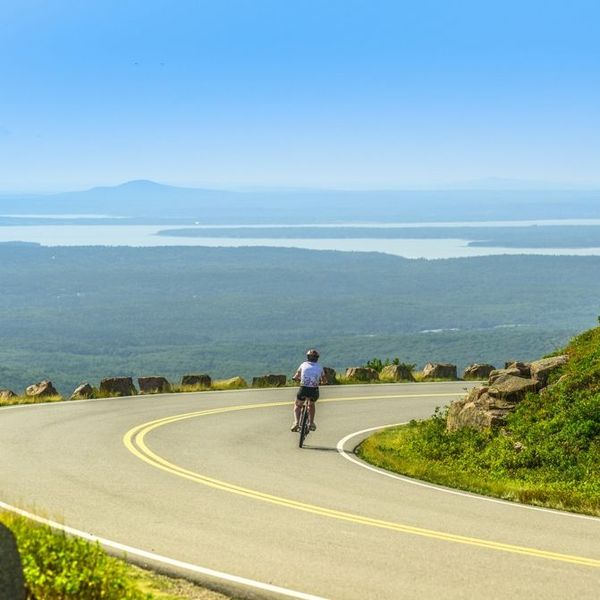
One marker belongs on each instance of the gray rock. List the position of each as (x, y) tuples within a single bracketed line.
[(489, 406), (12, 585), (541, 369), (41, 389), (439, 371), (499, 373), (269, 380), (153, 385), (469, 414), (362, 374), (524, 368), (7, 394), (202, 380), (511, 388), (396, 373), (478, 371), (85, 390), (499, 403), (478, 410), (117, 386), (330, 375)]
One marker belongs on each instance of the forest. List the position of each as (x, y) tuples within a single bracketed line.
[(531, 236), (80, 314)]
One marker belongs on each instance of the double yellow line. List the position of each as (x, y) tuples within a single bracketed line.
[(134, 441)]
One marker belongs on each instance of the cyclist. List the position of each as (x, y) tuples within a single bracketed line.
[(310, 375)]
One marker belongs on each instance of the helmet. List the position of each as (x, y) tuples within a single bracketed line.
[(312, 355)]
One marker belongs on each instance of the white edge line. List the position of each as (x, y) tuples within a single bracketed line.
[(343, 441), (267, 587)]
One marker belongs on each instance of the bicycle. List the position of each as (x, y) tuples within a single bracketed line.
[(303, 423)]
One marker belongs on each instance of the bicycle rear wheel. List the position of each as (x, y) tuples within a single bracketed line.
[(303, 425)]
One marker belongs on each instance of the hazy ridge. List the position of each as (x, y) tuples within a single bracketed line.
[(146, 200)]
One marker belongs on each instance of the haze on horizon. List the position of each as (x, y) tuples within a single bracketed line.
[(342, 94)]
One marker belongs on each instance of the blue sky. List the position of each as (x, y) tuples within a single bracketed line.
[(329, 93)]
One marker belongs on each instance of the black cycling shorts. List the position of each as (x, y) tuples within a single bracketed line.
[(312, 393)]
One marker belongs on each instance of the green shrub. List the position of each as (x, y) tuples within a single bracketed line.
[(378, 364), (57, 567)]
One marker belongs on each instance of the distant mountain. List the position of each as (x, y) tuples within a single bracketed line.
[(139, 188), (148, 201), (134, 186), (139, 198)]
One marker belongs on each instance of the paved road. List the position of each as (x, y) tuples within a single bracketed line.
[(216, 481)]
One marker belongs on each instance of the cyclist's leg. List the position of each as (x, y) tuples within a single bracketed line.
[(297, 409), (311, 408)]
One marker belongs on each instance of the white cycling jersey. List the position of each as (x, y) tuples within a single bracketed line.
[(310, 374)]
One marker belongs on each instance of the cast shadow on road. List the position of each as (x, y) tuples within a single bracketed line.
[(320, 448)]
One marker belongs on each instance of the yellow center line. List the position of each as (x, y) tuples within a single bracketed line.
[(134, 441)]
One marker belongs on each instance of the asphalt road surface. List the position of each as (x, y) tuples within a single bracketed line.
[(214, 486)]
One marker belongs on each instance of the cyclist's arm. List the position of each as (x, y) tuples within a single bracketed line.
[(296, 377), (323, 379)]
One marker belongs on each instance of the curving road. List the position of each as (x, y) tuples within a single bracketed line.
[(213, 486)]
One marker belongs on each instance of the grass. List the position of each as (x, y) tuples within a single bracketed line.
[(186, 389), (420, 378), (548, 453), (401, 450), (14, 400), (229, 384), (56, 567)]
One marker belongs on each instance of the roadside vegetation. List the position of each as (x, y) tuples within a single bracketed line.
[(13, 400), (548, 453), (233, 383), (57, 566), (378, 365)]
